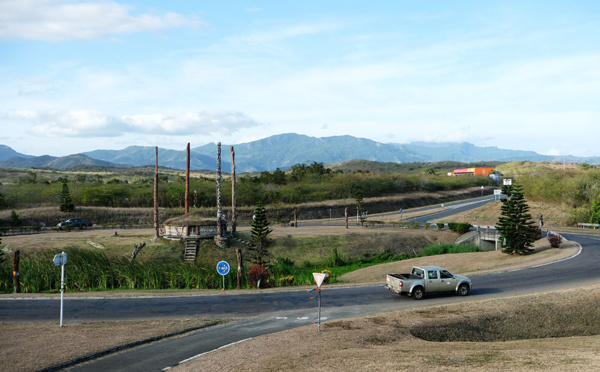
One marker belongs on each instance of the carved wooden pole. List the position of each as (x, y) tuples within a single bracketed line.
[(219, 213), (233, 201), (295, 217), (156, 232), (238, 253), (346, 215), (15, 264), (187, 181)]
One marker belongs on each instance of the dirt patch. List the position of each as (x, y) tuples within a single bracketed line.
[(34, 346)]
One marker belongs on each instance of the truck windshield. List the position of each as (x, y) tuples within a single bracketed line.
[(418, 272)]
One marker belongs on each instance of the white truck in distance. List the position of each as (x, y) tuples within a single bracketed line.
[(426, 279)]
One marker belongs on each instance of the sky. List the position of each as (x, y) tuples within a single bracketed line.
[(78, 76)]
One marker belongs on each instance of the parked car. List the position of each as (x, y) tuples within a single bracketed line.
[(73, 223), (425, 279)]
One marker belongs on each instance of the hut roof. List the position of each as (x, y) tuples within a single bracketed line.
[(192, 218)]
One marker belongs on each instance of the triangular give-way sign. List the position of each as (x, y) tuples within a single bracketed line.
[(319, 277)]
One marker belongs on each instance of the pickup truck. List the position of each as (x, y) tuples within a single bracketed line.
[(426, 279), (73, 223)]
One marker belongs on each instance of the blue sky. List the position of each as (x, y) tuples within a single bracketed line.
[(84, 75)]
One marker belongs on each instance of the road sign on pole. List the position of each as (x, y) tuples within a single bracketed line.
[(319, 278), (61, 260), (223, 269)]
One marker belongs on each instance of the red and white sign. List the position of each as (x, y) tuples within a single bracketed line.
[(319, 277)]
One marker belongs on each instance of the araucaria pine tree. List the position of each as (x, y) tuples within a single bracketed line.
[(259, 236), (516, 225), (66, 203)]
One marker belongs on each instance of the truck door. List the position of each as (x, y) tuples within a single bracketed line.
[(434, 283), (448, 281)]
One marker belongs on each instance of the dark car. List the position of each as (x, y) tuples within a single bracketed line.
[(74, 222)]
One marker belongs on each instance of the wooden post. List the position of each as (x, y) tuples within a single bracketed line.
[(346, 215), (187, 181), (219, 212), (15, 264), (233, 200), (156, 232), (238, 253), (295, 217)]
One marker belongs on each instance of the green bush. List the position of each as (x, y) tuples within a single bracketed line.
[(440, 225), (448, 249), (459, 227)]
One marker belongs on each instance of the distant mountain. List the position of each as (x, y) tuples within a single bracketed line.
[(467, 152), (284, 150), (146, 155), (61, 163), (7, 153)]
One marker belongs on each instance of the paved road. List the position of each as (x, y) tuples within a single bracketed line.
[(267, 312)]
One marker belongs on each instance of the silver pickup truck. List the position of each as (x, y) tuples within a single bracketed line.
[(427, 279)]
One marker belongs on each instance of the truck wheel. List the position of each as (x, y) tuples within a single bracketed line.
[(418, 293), (463, 290), (83, 227)]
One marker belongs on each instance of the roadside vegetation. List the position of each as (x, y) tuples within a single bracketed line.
[(98, 270), (124, 188), (574, 188)]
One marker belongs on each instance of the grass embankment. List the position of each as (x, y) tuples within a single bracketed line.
[(92, 269), (556, 331)]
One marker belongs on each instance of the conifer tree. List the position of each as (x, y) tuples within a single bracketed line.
[(516, 225), (259, 233), (66, 203)]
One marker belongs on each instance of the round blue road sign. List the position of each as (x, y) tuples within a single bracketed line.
[(223, 268)]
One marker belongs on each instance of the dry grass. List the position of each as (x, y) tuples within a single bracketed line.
[(34, 346), (384, 342)]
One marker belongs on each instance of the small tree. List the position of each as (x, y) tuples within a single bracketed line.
[(66, 203), (595, 215), (14, 219), (259, 236), (516, 225), (360, 207)]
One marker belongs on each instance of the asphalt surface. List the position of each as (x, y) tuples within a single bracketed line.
[(267, 312)]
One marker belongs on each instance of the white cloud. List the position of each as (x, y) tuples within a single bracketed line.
[(191, 122), (92, 123), (56, 20), (74, 123)]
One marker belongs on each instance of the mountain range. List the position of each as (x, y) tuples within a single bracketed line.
[(282, 151)]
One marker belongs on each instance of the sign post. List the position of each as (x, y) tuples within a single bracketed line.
[(223, 269), (319, 277), (61, 260)]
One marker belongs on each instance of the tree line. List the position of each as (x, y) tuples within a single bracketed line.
[(302, 183)]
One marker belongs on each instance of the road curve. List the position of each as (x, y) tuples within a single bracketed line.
[(267, 312)]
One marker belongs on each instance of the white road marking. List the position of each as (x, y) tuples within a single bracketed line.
[(208, 352)]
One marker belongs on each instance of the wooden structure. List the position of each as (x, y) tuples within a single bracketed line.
[(192, 228)]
